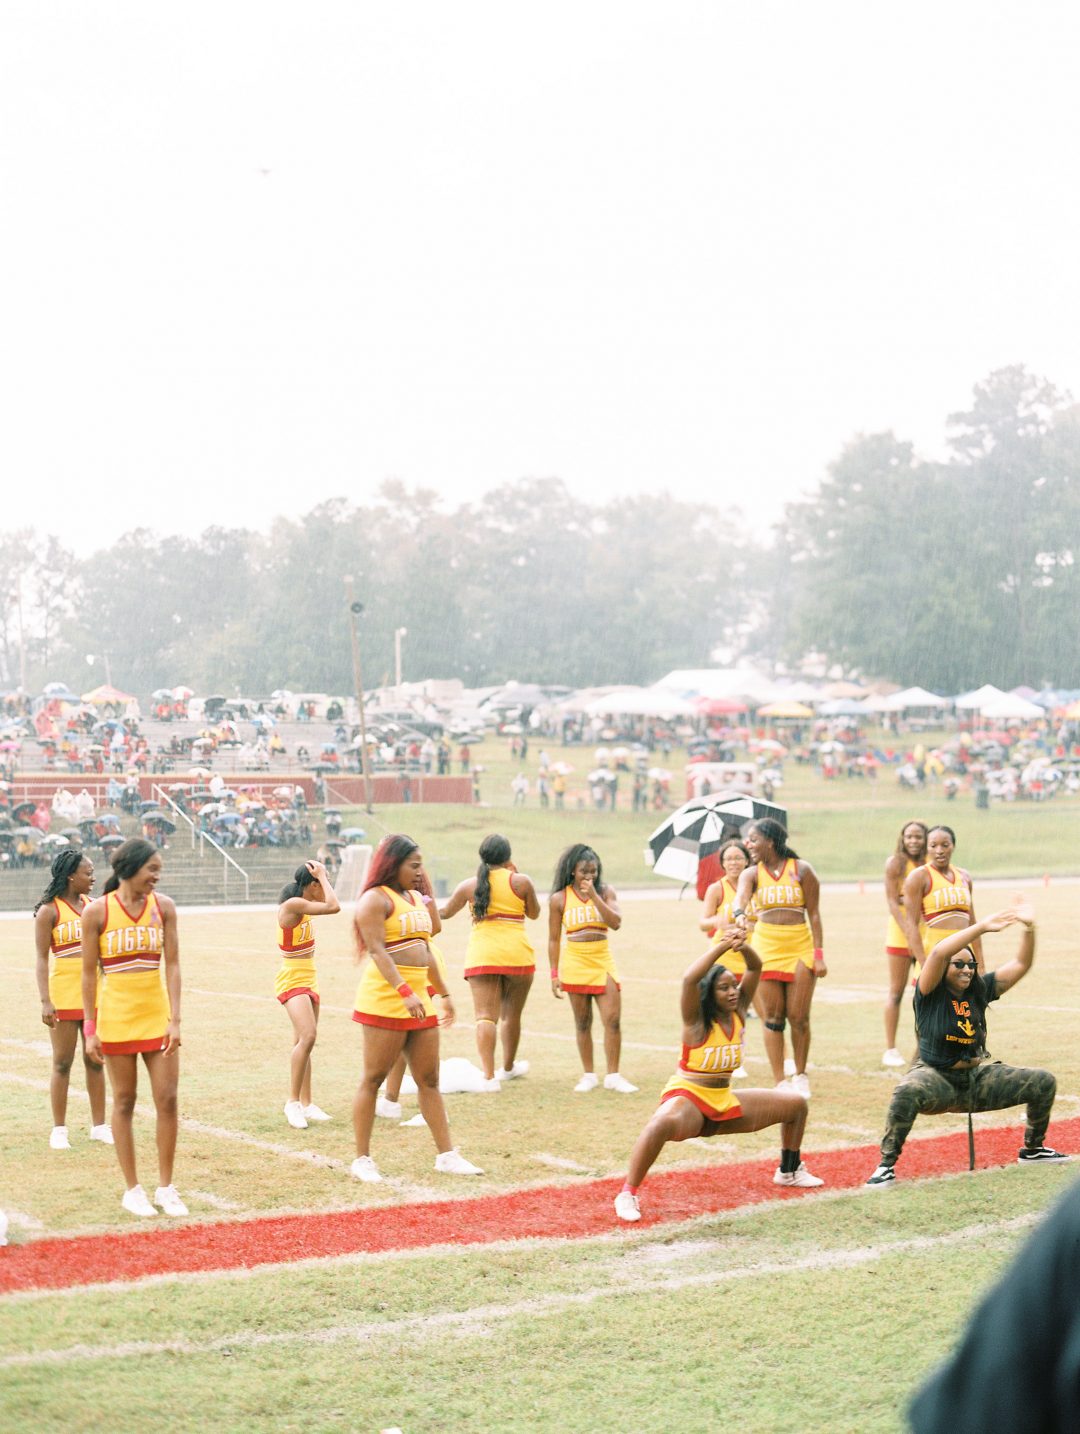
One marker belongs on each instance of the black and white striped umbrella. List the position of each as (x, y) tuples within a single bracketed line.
[(700, 827)]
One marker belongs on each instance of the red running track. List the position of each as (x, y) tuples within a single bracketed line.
[(553, 1211)]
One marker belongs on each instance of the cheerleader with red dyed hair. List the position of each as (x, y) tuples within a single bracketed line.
[(395, 921)]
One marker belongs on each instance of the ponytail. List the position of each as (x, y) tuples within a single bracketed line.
[(494, 851), (301, 880)]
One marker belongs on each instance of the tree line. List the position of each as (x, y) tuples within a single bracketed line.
[(947, 573)]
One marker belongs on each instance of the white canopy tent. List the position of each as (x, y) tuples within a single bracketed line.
[(912, 697), (644, 702), (1008, 706), (977, 700)]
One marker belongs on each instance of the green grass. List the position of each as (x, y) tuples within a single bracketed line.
[(845, 828), (789, 1348)]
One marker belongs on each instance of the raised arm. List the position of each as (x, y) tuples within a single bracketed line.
[(976, 945), (461, 895), (43, 925), (689, 1000), (293, 911), (371, 912), (607, 903), (1023, 914), (954, 942)]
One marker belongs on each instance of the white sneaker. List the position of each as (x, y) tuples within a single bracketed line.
[(800, 1178), (789, 1067), (588, 1081), (313, 1112), (416, 1119), (169, 1200), (627, 1206), (102, 1133), (364, 1168), (388, 1109), (893, 1058), (492, 1084), (740, 1073), (452, 1162), (785, 1087), (58, 1138), (518, 1069), (294, 1114), (801, 1085), (136, 1203), (618, 1082)]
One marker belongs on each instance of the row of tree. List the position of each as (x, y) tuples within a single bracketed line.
[(946, 573)]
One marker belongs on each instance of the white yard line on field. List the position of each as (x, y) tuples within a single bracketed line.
[(478, 1319), (216, 1202), (557, 1162)]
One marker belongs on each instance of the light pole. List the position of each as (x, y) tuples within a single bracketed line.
[(91, 659), (355, 609), (399, 633)]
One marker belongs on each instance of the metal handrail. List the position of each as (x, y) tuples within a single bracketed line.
[(162, 795)]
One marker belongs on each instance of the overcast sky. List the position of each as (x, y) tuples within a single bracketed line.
[(256, 255)]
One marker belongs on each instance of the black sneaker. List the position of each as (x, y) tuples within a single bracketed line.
[(1030, 1153), (882, 1175)]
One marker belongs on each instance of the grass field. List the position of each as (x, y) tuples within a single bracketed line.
[(845, 827), (803, 1312)]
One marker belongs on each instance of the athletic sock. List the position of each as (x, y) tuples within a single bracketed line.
[(629, 1189), (789, 1161)]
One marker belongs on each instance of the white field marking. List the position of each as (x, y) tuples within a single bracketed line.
[(37, 1048), (480, 1318), (626, 1240), (216, 1202), (557, 1162), (22, 1221)]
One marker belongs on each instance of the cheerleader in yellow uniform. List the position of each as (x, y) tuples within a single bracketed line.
[(788, 938), (585, 907), (942, 895), (130, 933), (499, 961), (297, 986), (394, 927), (910, 853), (698, 1100), (58, 933)]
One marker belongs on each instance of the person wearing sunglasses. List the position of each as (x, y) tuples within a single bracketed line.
[(954, 1072)]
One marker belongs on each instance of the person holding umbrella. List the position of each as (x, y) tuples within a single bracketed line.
[(585, 907), (58, 933), (788, 938), (309, 894)]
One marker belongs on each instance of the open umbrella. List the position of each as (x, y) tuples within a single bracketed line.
[(161, 822), (352, 834), (699, 828), (148, 806), (107, 843), (24, 811)]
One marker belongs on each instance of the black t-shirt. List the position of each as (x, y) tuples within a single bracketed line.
[(953, 1028)]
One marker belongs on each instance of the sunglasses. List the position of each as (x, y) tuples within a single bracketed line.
[(963, 965)]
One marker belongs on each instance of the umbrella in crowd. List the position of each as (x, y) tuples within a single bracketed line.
[(699, 828)]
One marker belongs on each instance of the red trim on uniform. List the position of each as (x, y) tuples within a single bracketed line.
[(504, 971), (299, 991), (500, 916), (778, 975), (133, 919), (69, 1015), (898, 951), (590, 990), (133, 1048), (709, 1111), (395, 1023)]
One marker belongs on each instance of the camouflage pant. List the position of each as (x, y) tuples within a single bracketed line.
[(990, 1086)]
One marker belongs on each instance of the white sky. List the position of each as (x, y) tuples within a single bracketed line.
[(256, 255)]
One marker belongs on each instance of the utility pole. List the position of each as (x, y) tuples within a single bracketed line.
[(399, 633), (355, 609)]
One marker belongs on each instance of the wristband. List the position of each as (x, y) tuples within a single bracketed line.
[(89, 1028), (554, 973), (404, 990), (819, 954)]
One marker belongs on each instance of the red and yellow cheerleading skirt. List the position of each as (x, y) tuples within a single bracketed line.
[(65, 987), (296, 977), (133, 1012), (378, 1003), (783, 948), (714, 1102), (584, 967), (499, 947)]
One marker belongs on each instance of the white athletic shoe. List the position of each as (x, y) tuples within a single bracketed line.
[(740, 1073), (452, 1162), (388, 1109), (102, 1133), (492, 1084), (789, 1067), (136, 1203), (618, 1082), (58, 1138), (364, 1168), (627, 1206), (314, 1112), (518, 1069), (893, 1057), (416, 1119), (294, 1114), (786, 1087), (588, 1081), (169, 1200), (801, 1085), (800, 1178)]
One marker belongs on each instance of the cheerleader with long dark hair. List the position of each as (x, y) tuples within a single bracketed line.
[(297, 986)]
